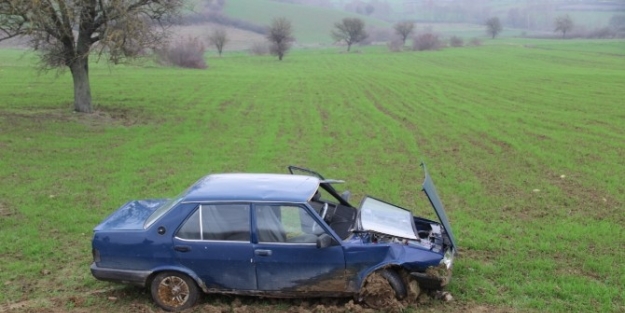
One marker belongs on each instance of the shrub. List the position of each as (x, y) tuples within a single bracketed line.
[(259, 48), (456, 41), (186, 52), (475, 42), (427, 41), (395, 45), (601, 33)]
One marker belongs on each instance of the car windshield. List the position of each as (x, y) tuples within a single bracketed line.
[(385, 218)]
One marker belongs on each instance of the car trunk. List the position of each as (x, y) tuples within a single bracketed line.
[(131, 215)]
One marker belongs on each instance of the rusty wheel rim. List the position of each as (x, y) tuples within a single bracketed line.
[(173, 291)]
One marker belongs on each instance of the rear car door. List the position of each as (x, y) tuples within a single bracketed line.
[(214, 242), (286, 254)]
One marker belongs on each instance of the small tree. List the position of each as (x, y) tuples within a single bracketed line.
[(218, 38), (350, 30), (280, 37), (404, 29), (493, 27), (66, 32), (564, 23)]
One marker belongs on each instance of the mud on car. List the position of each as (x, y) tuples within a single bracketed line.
[(272, 235)]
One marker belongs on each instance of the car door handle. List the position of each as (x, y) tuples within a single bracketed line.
[(262, 252), (182, 248)]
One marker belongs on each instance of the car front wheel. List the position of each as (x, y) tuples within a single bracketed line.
[(174, 291), (382, 289)]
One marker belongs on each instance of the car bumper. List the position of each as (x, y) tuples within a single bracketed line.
[(433, 279), (132, 277)]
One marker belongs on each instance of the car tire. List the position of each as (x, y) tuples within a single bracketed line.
[(375, 293), (174, 291)]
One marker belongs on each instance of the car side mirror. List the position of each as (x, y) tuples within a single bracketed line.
[(324, 241), (346, 194)]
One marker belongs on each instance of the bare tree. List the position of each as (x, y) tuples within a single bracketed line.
[(218, 38), (65, 32), (493, 27), (564, 23), (404, 29), (280, 36), (350, 30)]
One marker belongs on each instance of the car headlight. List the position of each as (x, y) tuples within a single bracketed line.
[(448, 258)]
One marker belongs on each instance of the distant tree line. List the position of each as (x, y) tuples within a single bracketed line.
[(534, 15), (565, 25)]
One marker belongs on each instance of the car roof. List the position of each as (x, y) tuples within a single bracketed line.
[(253, 187)]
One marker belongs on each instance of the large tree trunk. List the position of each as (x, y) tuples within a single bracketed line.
[(82, 88)]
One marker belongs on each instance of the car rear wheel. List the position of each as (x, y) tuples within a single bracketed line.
[(174, 291), (382, 289)]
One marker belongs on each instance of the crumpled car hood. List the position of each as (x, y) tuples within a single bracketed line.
[(381, 217), (385, 218)]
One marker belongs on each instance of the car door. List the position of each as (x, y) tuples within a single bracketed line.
[(214, 242), (286, 254)]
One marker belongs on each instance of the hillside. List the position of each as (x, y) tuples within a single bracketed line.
[(312, 25)]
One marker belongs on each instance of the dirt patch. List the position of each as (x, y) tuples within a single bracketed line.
[(441, 271), (100, 118), (378, 293), (141, 302), (5, 211)]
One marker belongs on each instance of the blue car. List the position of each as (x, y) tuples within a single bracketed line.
[(273, 235)]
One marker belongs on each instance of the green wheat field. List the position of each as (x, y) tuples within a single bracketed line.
[(525, 140)]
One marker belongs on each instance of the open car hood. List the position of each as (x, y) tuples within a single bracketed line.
[(385, 218), (430, 192)]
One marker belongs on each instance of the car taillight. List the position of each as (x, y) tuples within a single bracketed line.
[(96, 255)]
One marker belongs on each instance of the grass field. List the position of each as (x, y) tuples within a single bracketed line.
[(524, 139)]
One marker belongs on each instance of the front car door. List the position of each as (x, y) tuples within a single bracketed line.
[(286, 254), (214, 242)]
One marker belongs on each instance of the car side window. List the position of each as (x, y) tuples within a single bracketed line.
[(286, 223), (191, 228), (224, 222)]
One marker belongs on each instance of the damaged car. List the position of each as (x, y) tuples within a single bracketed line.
[(272, 235)]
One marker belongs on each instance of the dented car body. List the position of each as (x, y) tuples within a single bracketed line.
[(273, 235)]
